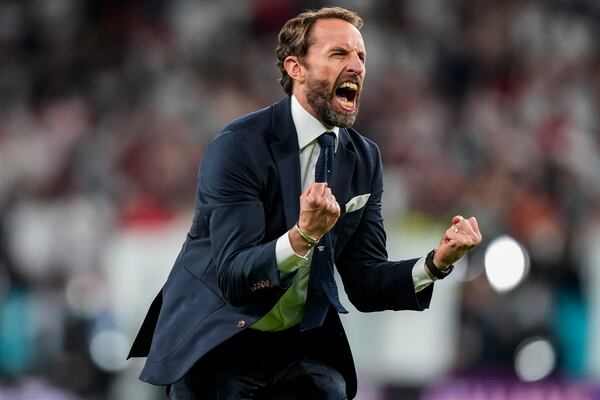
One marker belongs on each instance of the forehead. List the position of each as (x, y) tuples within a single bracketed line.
[(333, 32)]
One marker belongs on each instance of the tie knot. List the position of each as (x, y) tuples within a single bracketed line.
[(326, 139)]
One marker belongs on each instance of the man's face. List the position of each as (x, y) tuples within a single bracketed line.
[(335, 66)]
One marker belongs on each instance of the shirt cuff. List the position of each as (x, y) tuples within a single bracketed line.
[(287, 259), (420, 277)]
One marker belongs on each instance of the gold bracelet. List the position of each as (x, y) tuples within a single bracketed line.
[(309, 240)]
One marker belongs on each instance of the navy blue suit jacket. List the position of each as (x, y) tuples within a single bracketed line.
[(248, 196)]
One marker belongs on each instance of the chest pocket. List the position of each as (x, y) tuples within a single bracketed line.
[(345, 227)]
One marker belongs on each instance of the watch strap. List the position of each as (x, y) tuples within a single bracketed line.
[(435, 271)]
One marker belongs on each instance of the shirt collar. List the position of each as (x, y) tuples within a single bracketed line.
[(308, 127)]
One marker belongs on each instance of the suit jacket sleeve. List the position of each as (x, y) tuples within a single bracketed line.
[(231, 182), (371, 281)]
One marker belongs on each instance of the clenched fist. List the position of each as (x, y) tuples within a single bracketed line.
[(462, 236), (319, 211)]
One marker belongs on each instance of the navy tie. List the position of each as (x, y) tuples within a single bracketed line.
[(322, 290), (325, 160)]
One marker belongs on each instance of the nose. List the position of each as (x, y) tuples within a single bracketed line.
[(355, 65)]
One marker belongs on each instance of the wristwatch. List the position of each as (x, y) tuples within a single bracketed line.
[(435, 271)]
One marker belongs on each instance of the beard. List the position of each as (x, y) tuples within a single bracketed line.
[(322, 100)]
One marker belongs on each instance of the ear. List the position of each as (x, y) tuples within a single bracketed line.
[(294, 68)]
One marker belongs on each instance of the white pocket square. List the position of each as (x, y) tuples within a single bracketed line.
[(357, 202)]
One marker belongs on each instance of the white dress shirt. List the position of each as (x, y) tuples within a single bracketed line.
[(309, 129)]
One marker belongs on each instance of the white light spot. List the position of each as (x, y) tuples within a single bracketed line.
[(535, 359), (109, 350), (506, 263)]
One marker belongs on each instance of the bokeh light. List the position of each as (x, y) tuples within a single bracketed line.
[(108, 349), (535, 359), (506, 263)]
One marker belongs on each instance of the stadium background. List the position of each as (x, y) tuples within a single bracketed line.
[(486, 108)]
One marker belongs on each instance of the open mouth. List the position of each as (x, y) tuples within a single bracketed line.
[(346, 95)]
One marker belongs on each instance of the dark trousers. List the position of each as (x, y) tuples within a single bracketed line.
[(263, 365)]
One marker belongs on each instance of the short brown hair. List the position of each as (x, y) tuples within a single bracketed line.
[(294, 36)]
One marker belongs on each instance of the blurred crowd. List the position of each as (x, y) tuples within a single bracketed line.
[(484, 107)]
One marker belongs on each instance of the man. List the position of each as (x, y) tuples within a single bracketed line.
[(250, 309)]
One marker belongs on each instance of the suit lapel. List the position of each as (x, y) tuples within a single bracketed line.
[(286, 153), (345, 158), (285, 150)]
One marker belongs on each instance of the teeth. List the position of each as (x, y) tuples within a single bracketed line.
[(349, 85)]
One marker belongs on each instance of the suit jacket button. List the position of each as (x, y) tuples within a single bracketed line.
[(241, 323)]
